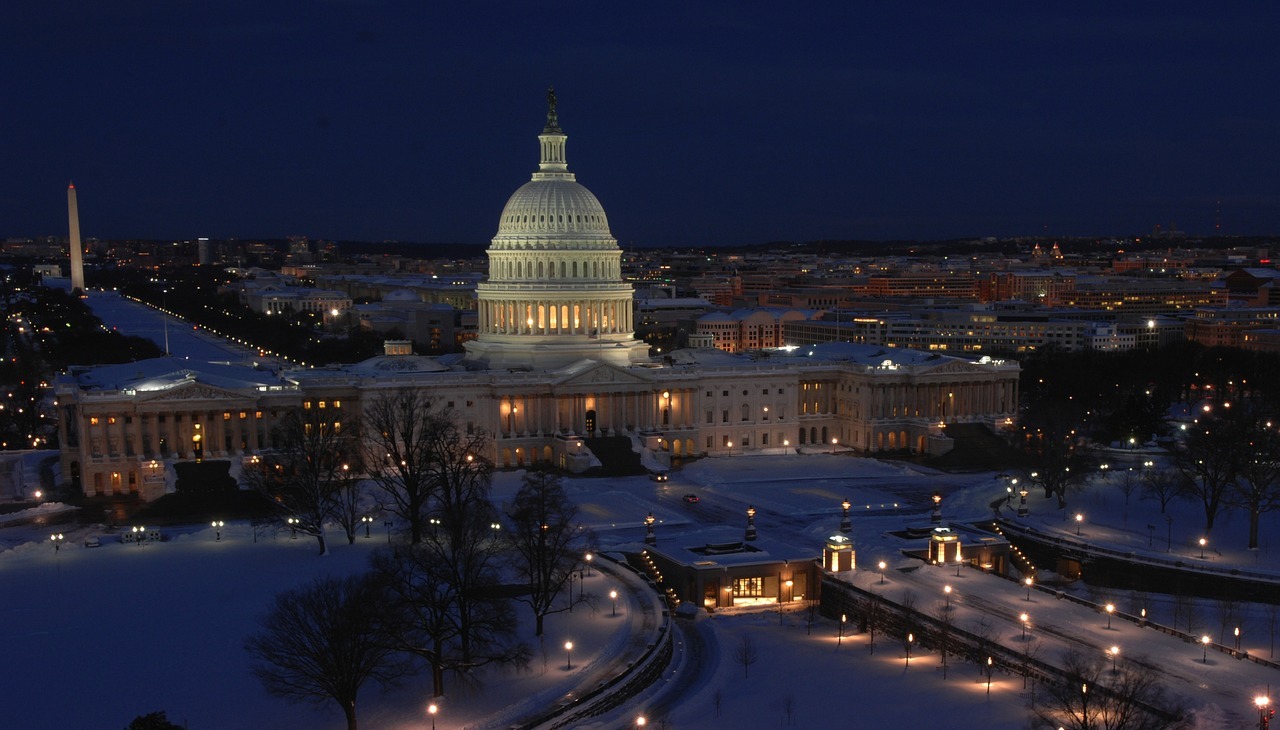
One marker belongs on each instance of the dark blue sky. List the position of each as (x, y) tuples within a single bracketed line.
[(694, 123)]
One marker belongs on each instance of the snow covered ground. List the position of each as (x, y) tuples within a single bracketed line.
[(96, 636)]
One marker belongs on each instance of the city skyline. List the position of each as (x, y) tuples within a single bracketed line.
[(385, 121)]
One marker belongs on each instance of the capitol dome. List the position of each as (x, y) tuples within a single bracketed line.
[(555, 294), (556, 206)]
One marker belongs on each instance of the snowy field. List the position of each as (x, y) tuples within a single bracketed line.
[(96, 636)]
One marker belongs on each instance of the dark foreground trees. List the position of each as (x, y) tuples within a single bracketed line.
[(1093, 697), (547, 541), (321, 642), (313, 462)]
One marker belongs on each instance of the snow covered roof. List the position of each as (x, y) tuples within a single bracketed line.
[(162, 373)]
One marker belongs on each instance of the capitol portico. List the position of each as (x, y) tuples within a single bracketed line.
[(555, 364)]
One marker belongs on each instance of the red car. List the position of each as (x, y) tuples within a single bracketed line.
[(690, 499)]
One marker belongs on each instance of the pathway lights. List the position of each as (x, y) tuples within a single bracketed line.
[(613, 596), (751, 523), (1264, 716), (1237, 640), (368, 523), (881, 565), (217, 527), (1024, 618), (1079, 519), (1110, 608), (568, 655), (1028, 581), (432, 709), (845, 524), (1202, 544), (947, 590), (57, 538), (293, 527), (641, 722), (840, 636), (1113, 652), (1204, 641), (910, 638), (589, 557), (989, 668)]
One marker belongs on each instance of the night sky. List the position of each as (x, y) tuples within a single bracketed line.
[(694, 123)]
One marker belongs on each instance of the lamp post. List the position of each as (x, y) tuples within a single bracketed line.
[(1237, 640), (910, 638), (1168, 520), (368, 523), (57, 538), (1204, 641), (387, 524), (641, 722), (1110, 609), (1202, 543), (1151, 534), (1264, 717), (293, 527), (432, 709), (435, 526), (570, 591), (140, 533), (845, 524), (1024, 618), (840, 636), (568, 655), (649, 537), (1028, 581), (589, 557), (881, 565), (1023, 510), (613, 597), (751, 523), (946, 590), (936, 516), (1114, 652), (217, 529), (989, 667), (1079, 519)]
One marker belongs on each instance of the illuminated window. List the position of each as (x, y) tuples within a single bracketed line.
[(226, 415), (111, 420), (257, 414), (337, 426), (243, 415), (322, 404), (306, 404), (337, 404), (748, 587), (93, 421)]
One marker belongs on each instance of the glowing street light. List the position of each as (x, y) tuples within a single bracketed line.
[(57, 538), (568, 655), (1079, 519), (1204, 641), (432, 709), (845, 524), (947, 590), (1024, 618), (881, 565), (1113, 652), (1028, 581), (613, 596), (293, 527), (840, 636), (910, 638), (1110, 609), (368, 523), (589, 557), (1264, 717), (641, 721), (1202, 544), (217, 528)]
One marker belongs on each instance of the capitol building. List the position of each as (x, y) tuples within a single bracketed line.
[(555, 367)]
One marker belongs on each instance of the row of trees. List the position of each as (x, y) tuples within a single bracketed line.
[(446, 592)]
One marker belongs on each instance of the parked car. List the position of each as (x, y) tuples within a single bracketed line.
[(659, 476), (690, 499)]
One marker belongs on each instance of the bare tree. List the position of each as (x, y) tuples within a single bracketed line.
[(1056, 461), (1163, 485), (347, 496), (1129, 483), (303, 474), (1209, 458), (944, 613), (1090, 697), (1256, 488), (399, 450), (319, 643), (746, 654), (547, 540)]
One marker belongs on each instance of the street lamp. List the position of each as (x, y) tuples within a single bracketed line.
[(57, 538), (613, 596), (1168, 520), (1204, 641), (1024, 618), (845, 525), (1109, 608), (589, 557), (751, 522), (1264, 717), (881, 564), (840, 636), (432, 709), (368, 523), (1114, 652), (936, 516), (989, 667), (139, 533), (293, 527), (910, 638), (947, 590), (568, 655), (1237, 640), (1202, 542), (649, 537), (217, 528), (641, 722), (1023, 510), (1079, 519), (1028, 581)]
